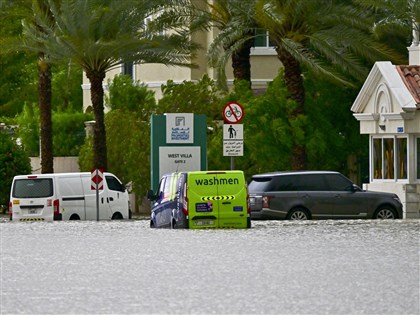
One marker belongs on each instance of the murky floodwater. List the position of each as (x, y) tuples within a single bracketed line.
[(277, 267)]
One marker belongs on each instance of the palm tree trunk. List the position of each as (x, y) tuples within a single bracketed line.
[(241, 63), (44, 91), (99, 135), (294, 84)]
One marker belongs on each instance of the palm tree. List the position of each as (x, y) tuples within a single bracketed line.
[(235, 21), (395, 19), (24, 10), (99, 35), (326, 37)]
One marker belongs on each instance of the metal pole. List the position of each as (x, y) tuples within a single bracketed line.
[(97, 195), (232, 163)]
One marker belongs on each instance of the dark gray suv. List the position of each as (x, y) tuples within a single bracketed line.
[(303, 195)]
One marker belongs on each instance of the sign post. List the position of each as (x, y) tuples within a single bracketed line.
[(97, 184), (233, 132)]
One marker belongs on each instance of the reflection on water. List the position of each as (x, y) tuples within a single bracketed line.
[(277, 267)]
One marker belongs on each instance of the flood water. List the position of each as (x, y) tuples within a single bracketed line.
[(276, 267)]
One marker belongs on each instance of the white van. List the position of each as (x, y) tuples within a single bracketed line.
[(66, 196)]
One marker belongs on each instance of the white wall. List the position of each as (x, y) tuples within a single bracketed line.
[(62, 164)]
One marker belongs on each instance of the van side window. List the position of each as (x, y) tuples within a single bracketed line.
[(166, 188), (114, 184), (338, 182), (33, 188), (171, 186), (159, 193)]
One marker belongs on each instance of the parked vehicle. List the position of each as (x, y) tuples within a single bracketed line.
[(214, 199), (317, 195), (66, 196)]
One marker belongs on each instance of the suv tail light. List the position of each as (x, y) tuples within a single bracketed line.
[(266, 201)]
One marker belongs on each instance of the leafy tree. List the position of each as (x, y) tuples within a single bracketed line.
[(99, 35), (16, 83), (66, 92), (28, 130), (18, 69), (333, 134), (395, 21), (68, 131), (328, 38), (132, 104), (202, 97), (267, 130), (128, 131), (129, 95), (13, 161), (24, 9)]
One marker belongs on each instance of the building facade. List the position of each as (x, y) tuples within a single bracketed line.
[(264, 67), (388, 109)]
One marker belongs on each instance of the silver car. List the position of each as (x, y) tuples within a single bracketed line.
[(304, 195)]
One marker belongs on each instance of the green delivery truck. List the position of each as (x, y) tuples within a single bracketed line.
[(202, 199)]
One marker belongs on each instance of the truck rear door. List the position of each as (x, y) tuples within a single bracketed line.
[(233, 206), (32, 198), (217, 199)]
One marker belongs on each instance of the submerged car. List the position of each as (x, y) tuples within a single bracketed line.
[(305, 195), (202, 199)]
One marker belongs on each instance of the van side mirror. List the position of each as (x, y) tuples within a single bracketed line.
[(151, 196), (355, 188)]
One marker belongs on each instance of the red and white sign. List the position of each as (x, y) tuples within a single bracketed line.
[(97, 179), (233, 113)]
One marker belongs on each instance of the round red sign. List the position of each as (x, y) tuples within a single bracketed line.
[(233, 113)]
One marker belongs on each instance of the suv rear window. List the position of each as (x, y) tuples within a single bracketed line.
[(275, 183), (260, 184), (33, 188)]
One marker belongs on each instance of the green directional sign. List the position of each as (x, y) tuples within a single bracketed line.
[(178, 143)]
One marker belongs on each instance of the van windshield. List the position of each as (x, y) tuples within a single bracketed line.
[(33, 188)]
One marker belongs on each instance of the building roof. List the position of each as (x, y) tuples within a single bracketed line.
[(411, 78), (396, 83)]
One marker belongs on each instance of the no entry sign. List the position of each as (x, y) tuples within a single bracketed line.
[(233, 113)]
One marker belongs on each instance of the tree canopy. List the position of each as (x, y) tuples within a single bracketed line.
[(99, 35)]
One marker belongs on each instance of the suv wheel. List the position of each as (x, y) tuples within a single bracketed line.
[(298, 214), (385, 213)]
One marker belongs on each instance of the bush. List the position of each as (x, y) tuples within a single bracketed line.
[(68, 130), (13, 161)]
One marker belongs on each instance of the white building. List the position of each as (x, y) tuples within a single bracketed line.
[(388, 109)]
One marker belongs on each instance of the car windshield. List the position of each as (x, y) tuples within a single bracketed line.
[(33, 188)]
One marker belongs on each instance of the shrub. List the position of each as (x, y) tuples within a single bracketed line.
[(13, 161)]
